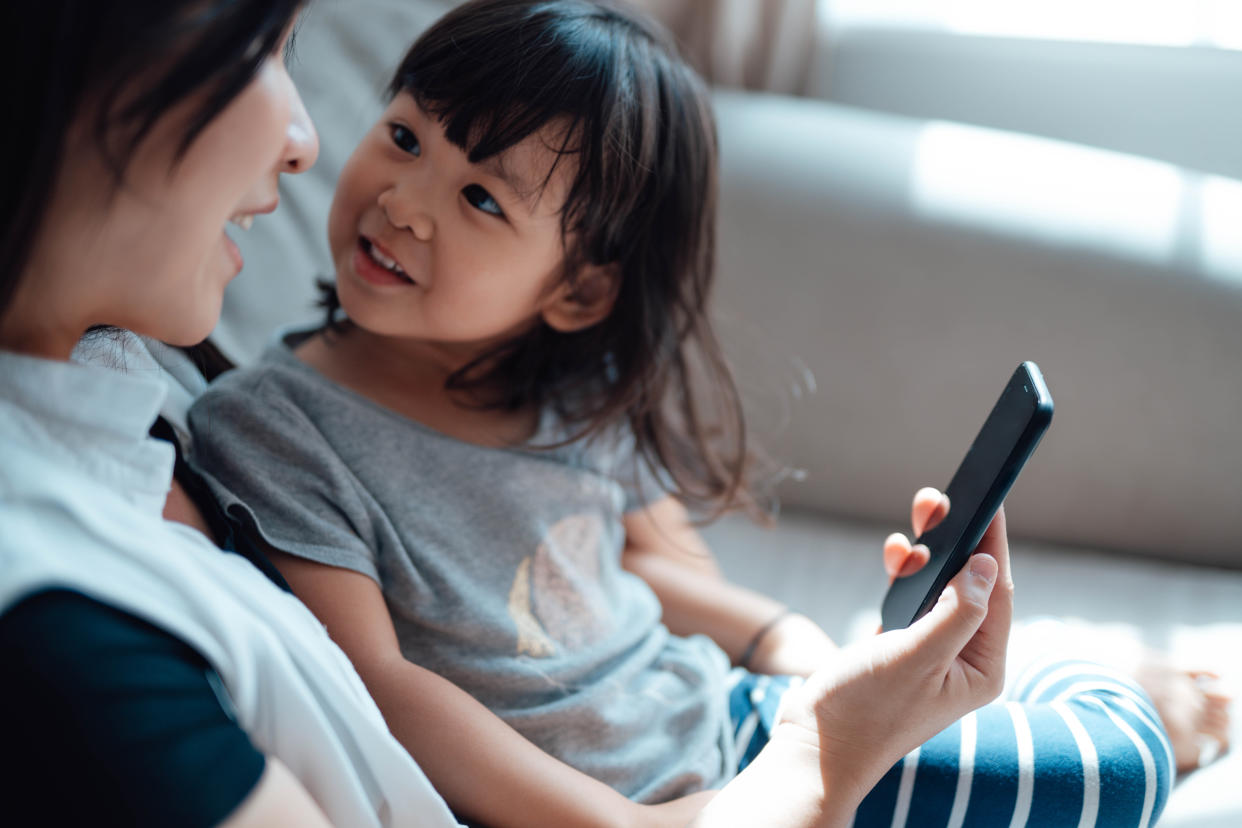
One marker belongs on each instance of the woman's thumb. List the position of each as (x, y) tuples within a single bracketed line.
[(963, 605)]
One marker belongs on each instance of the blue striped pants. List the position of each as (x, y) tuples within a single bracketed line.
[(1073, 744)]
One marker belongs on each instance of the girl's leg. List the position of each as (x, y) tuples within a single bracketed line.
[(753, 704), (1075, 744)]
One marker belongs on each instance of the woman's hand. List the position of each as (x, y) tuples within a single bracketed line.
[(930, 506), (886, 696), (675, 814), (882, 697)]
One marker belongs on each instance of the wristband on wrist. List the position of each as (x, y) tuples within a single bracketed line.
[(749, 652)]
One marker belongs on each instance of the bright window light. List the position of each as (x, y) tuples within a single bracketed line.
[(1158, 22), (1150, 22), (1058, 191), (1222, 21), (1220, 208), (916, 13)]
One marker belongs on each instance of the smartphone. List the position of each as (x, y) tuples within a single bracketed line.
[(987, 472)]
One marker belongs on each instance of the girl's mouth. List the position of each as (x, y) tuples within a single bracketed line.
[(377, 267)]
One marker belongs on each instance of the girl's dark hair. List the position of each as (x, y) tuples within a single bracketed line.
[(642, 137), (112, 68)]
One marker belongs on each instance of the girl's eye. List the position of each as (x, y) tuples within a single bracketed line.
[(405, 139), (482, 200)]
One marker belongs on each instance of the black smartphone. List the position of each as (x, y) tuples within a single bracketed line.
[(987, 472)]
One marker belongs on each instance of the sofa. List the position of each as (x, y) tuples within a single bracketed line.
[(880, 278)]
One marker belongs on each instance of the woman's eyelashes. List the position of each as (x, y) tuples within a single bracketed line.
[(482, 200), (405, 139)]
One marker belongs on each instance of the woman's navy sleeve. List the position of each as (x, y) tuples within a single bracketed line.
[(109, 720)]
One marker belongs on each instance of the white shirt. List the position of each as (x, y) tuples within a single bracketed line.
[(82, 489)]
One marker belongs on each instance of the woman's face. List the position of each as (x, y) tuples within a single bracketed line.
[(153, 255)]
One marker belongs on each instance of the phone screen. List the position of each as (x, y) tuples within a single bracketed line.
[(977, 489)]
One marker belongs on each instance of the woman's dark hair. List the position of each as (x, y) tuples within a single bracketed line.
[(112, 68), (642, 138)]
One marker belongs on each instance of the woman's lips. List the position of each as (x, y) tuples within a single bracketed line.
[(233, 252), (242, 220)]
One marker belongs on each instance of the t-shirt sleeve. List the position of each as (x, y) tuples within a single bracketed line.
[(113, 721), (640, 484), (272, 469)]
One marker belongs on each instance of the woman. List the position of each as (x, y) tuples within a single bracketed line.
[(150, 684), (173, 684)]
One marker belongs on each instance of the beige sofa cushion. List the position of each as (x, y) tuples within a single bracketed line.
[(840, 260)]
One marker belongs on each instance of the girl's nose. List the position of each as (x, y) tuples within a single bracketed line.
[(404, 213), (302, 141)]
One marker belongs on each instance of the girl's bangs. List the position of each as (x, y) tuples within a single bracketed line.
[(495, 82)]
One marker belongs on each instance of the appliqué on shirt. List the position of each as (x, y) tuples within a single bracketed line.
[(556, 595), (532, 640)]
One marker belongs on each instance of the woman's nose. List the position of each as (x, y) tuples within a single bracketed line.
[(403, 212), (302, 141)]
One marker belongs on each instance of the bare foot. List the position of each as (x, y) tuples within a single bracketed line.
[(1193, 708), (1195, 715)]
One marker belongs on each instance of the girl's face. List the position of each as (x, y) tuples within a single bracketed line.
[(152, 255), (433, 248)]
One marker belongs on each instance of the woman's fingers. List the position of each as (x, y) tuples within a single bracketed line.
[(902, 559), (992, 641), (958, 615), (929, 508), (919, 556), (995, 542), (896, 551)]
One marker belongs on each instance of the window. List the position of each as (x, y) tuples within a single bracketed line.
[(1206, 23)]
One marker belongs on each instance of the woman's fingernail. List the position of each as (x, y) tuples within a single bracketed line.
[(983, 567)]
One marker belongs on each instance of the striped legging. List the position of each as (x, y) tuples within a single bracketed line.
[(1073, 744)]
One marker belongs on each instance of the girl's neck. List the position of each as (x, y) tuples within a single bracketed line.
[(409, 377), (419, 366)]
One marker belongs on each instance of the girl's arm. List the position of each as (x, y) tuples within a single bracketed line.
[(484, 769), (664, 549)]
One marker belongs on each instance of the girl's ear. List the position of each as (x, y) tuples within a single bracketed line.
[(584, 302)]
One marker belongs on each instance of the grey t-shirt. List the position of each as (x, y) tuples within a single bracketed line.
[(501, 567)]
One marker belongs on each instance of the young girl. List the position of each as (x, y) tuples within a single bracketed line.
[(475, 473)]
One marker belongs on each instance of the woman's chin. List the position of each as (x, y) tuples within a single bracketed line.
[(200, 317), (185, 337), (192, 327)]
